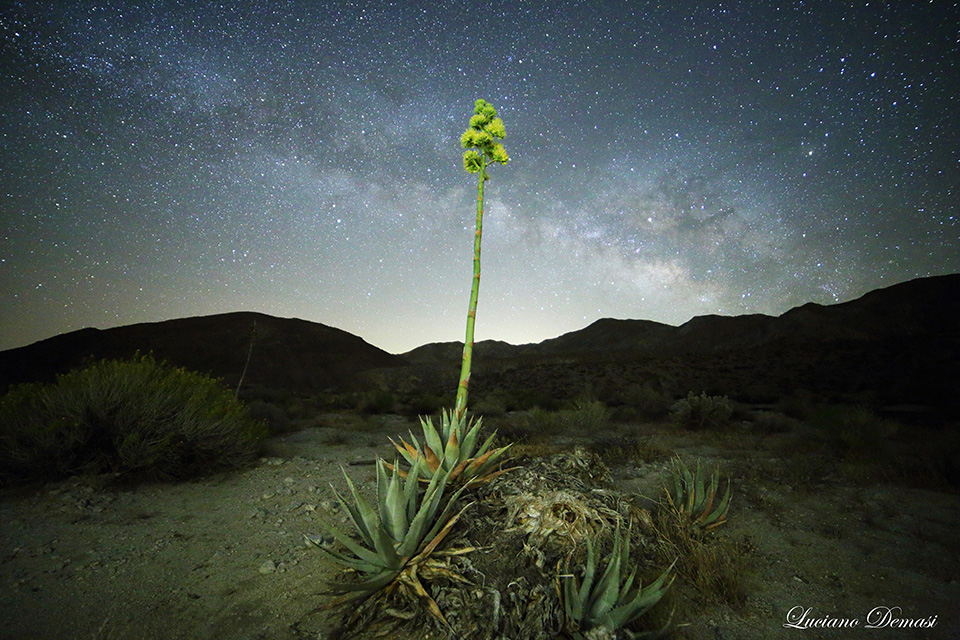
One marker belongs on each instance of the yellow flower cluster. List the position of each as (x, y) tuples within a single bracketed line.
[(479, 139)]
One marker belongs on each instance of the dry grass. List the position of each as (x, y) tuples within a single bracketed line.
[(628, 448), (711, 568)]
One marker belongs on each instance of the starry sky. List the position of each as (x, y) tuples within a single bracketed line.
[(301, 158)]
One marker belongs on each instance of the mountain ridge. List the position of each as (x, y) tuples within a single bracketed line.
[(287, 352), (898, 342)]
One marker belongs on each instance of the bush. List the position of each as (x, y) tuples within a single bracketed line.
[(136, 417), (490, 406), (701, 412), (376, 402), (423, 404), (648, 402), (852, 430), (274, 417), (587, 416)]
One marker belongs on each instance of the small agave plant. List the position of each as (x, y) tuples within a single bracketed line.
[(693, 497), (398, 539), (456, 442), (606, 605)]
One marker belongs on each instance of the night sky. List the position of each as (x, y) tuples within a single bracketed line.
[(301, 158)]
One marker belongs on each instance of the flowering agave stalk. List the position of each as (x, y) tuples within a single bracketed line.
[(452, 450), (398, 538), (482, 150), (693, 499), (608, 602)]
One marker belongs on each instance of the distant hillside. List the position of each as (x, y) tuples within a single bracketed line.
[(924, 308), (900, 344), (287, 353), (897, 345)]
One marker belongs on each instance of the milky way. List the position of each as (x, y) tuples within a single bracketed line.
[(165, 159)]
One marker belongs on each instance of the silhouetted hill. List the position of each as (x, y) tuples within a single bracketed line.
[(287, 353), (897, 345), (923, 308), (608, 334), (900, 344)]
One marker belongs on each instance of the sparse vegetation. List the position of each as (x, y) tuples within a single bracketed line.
[(585, 416), (649, 403), (714, 567), (138, 417), (699, 412), (490, 406), (852, 431), (274, 417), (626, 449), (374, 402), (582, 417)]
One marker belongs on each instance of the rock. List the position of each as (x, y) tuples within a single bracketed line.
[(268, 567)]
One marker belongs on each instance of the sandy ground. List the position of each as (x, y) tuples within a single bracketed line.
[(224, 557)]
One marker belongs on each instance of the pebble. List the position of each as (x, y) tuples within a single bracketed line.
[(268, 567)]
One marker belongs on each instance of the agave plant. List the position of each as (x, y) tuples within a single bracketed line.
[(399, 537), (452, 450), (608, 602), (693, 497)]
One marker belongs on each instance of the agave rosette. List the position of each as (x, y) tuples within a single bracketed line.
[(608, 601), (452, 450), (399, 536), (693, 497)]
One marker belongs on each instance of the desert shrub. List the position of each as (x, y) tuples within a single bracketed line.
[(274, 417), (701, 412), (491, 405), (423, 404), (376, 402), (526, 399), (770, 422), (587, 416), (621, 449), (136, 417), (515, 427), (711, 569), (852, 430), (798, 404), (648, 402), (540, 421), (582, 417)]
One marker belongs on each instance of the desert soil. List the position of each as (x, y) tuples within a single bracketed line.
[(224, 557)]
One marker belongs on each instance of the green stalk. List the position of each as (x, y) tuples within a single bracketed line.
[(462, 389), (482, 150)]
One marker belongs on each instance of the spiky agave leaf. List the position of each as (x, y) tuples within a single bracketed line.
[(456, 441), (401, 527), (609, 602), (693, 499)]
